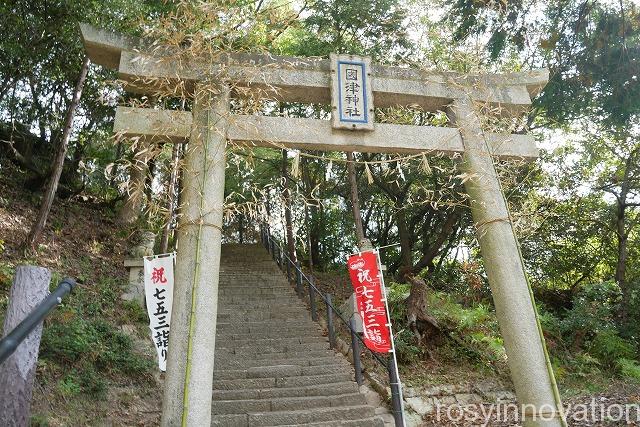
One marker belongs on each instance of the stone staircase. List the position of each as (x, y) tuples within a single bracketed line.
[(273, 365)]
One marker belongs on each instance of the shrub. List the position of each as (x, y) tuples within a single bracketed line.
[(69, 341), (134, 312), (69, 385), (594, 309), (38, 421), (88, 350), (608, 347), (629, 369), (406, 349)]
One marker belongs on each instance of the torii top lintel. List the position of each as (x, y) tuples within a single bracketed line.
[(308, 80)]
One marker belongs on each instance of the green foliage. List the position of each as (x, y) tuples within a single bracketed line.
[(405, 342), (594, 309), (397, 293), (406, 349), (135, 312), (7, 272), (86, 381), (361, 28), (93, 343), (629, 369), (79, 340), (476, 326), (583, 365), (38, 420), (608, 347), (69, 386)]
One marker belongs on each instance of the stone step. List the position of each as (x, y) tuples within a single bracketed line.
[(259, 316), (248, 311), (305, 324), (224, 407), (250, 383), (249, 296), (261, 304), (256, 292), (307, 416), (365, 422), (309, 360), (278, 340), (346, 387), (280, 371), (268, 334), (243, 303), (273, 365), (248, 307), (242, 332), (274, 319), (267, 301), (269, 349)]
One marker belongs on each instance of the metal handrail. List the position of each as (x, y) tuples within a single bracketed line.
[(396, 397), (326, 301), (10, 343)]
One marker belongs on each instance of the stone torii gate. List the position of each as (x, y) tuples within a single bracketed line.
[(188, 384)]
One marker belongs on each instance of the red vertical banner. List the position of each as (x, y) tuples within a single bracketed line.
[(364, 273)]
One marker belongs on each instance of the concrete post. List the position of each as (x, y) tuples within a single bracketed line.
[(532, 377), (189, 378), (30, 287)]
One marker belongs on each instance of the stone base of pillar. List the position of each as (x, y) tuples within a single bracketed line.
[(134, 290)]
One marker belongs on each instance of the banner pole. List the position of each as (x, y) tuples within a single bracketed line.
[(393, 345)]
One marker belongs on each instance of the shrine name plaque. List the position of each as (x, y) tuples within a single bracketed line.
[(351, 96)]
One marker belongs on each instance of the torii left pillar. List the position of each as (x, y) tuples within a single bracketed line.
[(189, 380)]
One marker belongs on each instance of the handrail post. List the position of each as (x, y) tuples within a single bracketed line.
[(298, 279), (281, 257), (312, 300), (330, 327), (12, 340), (396, 404), (355, 350)]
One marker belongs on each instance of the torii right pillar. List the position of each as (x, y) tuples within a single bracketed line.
[(528, 360)]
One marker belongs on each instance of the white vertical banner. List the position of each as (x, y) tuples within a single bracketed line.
[(158, 290)]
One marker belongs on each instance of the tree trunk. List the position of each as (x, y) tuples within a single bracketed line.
[(291, 244), (309, 246), (355, 200), (148, 181), (405, 243), (432, 250), (311, 215), (114, 171), (17, 373), (130, 211), (241, 228), (171, 195), (58, 163), (623, 237), (621, 264), (424, 326), (316, 219)]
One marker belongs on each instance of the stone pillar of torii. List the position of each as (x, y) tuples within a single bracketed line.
[(351, 85)]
